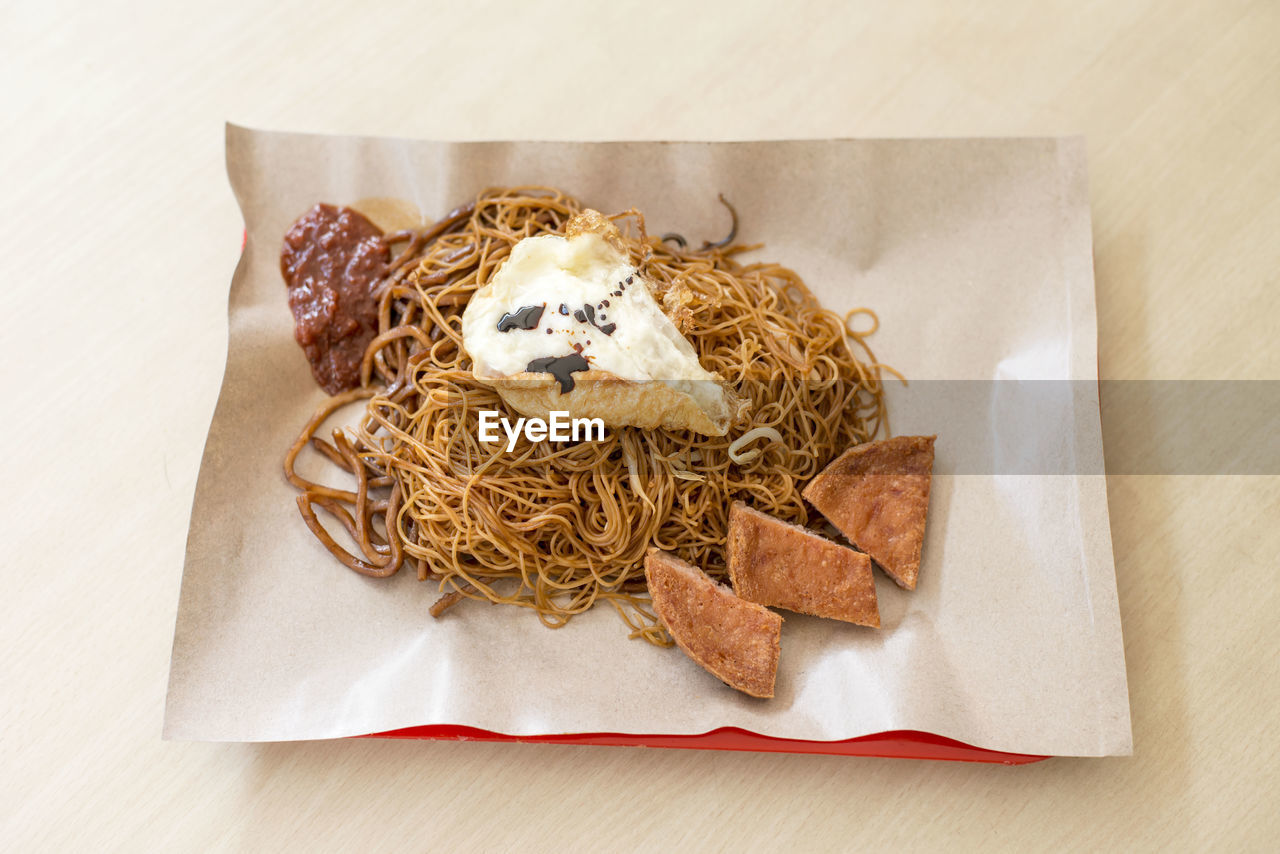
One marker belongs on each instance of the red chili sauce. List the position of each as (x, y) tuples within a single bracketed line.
[(331, 260)]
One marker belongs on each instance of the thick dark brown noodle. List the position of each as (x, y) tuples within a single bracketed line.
[(556, 527)]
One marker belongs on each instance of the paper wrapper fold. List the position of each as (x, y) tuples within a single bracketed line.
[(976, 256)]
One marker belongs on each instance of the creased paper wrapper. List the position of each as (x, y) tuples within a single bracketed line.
[(975, 254)]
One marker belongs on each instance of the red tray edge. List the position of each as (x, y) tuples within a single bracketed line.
[(898, 744)]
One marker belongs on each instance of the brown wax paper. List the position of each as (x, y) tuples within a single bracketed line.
[(975, 254)]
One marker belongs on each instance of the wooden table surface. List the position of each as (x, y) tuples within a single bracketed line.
[(121, 236)]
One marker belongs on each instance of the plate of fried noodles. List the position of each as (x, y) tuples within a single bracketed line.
[(557, 528)]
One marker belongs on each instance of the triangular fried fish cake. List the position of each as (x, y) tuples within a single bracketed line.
[(877, 495), (733, 639), (782, 565)]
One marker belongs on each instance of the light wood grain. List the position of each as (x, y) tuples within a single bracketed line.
[(121, 235)]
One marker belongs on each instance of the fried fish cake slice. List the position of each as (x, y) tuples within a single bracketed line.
[(776, 563), (734, 640), (877, 495)]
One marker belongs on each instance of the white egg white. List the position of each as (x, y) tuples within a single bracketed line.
[(585, 270)]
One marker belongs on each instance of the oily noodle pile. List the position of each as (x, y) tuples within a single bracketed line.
[(555, 527)]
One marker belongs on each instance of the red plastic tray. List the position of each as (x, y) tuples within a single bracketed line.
[(904, 744)]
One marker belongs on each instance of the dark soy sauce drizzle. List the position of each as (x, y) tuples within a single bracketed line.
[(525, 318), (560, 367), (587, 314)]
